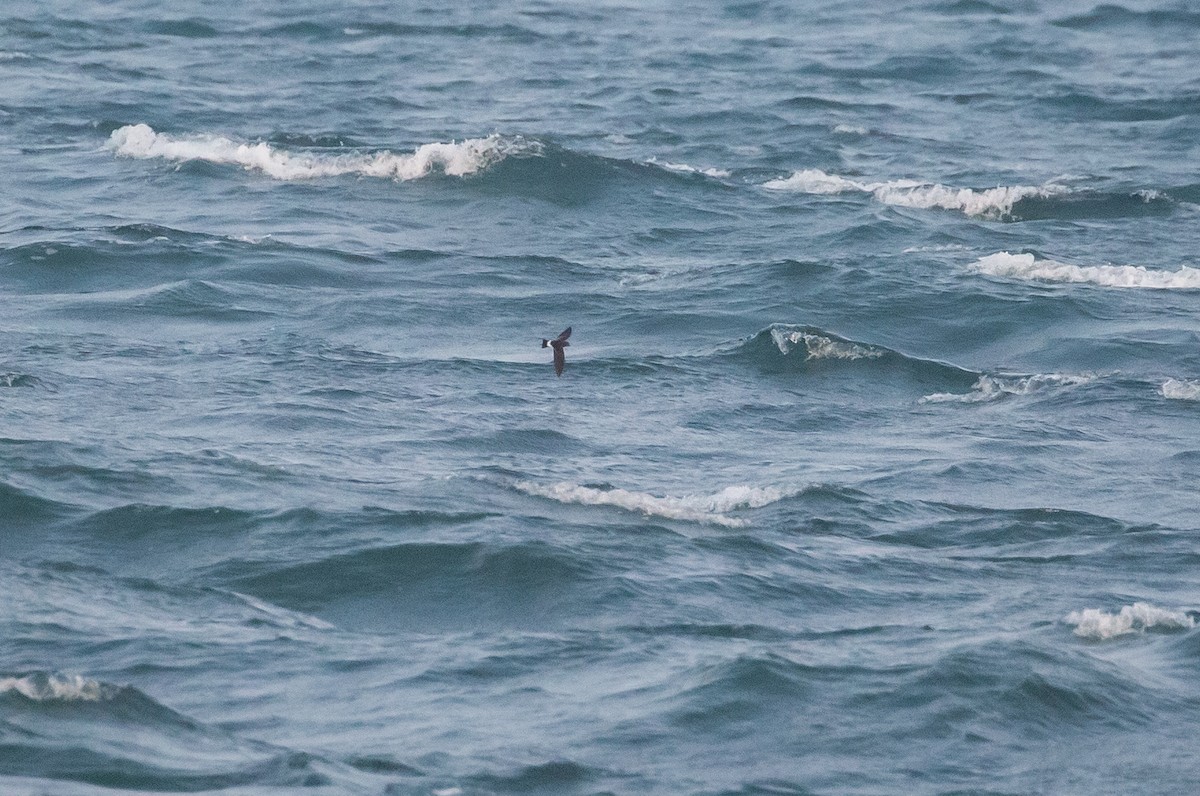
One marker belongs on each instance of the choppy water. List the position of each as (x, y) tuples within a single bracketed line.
[(872, 469)]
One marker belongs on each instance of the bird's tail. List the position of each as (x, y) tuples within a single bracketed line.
[(545, 343)]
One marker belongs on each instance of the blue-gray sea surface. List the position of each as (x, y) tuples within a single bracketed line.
[(872, 469)]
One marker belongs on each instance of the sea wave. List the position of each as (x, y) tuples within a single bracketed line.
[(1029, 267), (1096, 624), (46, 687), (712, 508), (455, 159), (1181, 390), (821, 346), (990, 203), (684, 168), (991, 388)]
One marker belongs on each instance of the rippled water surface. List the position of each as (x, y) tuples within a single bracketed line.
[(871, 470)]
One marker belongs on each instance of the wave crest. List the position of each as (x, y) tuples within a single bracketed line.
[(990, 203), (455, 159), (1028, 267), (819, 346), (991, 388), (698, 508), (1181, 390), (1096, 624), (43, 687)]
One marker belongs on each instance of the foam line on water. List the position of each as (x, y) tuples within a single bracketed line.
[(697, 508), (1030, 268), (456, 159), (991, 202), (1099, 625), (992, 388), (1181, 390)]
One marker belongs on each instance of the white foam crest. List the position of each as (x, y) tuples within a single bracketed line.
[(997, 201), (1181, 390), (991, 388), (850, 129), (683, 168), (1028, 267), (819, 347), (698, 508), (455, 158), (59, 688), (1099, 625)]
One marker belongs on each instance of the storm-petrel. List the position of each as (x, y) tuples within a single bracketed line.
[(558, 344)]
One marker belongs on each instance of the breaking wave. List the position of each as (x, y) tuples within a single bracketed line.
[(1181, 390), (1093, 623), (821, 346), (44, 687), (456, 159), (1029, 267), (990, 203), (697, 508), (991, 388)]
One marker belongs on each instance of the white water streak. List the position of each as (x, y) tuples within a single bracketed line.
[(991, 388), (992, 202), (1028, 267), (1096, 624), (697, 508), (455, 158), (59, 688)]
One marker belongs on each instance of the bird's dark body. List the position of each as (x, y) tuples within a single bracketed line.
[(558, 344)]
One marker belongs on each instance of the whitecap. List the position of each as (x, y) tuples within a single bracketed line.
[(1028, 267), (1096, 624), (991, 388), (820, 347), (456, 159), (1181, 390), (992, 202), (850, 129), (683, 168), (697, 508), (59, 688)]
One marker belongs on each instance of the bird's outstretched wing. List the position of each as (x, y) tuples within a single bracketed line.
[(559, 360), (566, 333)]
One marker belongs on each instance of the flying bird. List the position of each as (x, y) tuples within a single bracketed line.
[(558, 344)]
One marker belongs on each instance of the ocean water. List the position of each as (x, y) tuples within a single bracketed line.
[(872, 469)]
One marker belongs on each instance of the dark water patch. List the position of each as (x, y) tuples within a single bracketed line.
[(1082, 106), (195, 299), (1039, 691), (811, 351), (538, 441), (140, 521), (184, 28), (20, 508), (19, 380), (380, 764), (970, 526), (1111, 17), (72, 729), (1080, 205), (569, 178), (433, 584), (969, 8), (557, 776), (729, 699), (905, 68)]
